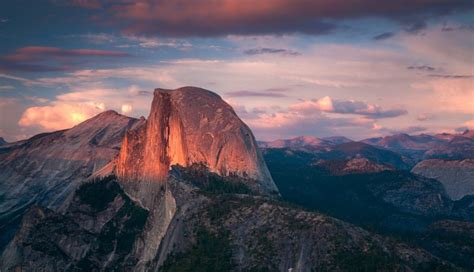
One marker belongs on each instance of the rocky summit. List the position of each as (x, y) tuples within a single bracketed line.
[(189, 126)]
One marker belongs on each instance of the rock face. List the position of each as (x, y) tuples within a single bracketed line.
[(457, 176), (2, 141), (47, 168), (96, 232), (104, 230), (192, 126)]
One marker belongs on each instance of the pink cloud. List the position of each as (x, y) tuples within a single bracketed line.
[(450, 94), (39, 58), (211, 18), (327, 104), (59, 115), (38, 52)]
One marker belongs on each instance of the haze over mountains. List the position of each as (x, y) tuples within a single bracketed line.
[(415, 147), (187, 189)]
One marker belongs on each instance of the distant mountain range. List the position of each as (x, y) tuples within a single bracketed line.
[(419, 147), (415, 147), (305, 142)]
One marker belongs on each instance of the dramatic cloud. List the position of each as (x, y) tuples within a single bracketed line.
[(212, 18), (260, 51), (327, 104), (289, 123), (298, 119), (59, 115), (69, 109), (46, 59)]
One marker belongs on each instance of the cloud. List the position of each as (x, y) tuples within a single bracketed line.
[(451, 49), (87, 4), (469, 124), (126, 108), (448, 28), (450, 94), (47, 59), (327, 104), (254, 94), (260, 51), (246, 17), (410, 130), (69, 109), (34, 52), (38, 100), (288, 123), (59, 115), (451, 76), (6, 87), (276, 122), (384, 36), (415, 27), (16, 78), (424, 117), (5, 101), (424, 68), (148, 42)]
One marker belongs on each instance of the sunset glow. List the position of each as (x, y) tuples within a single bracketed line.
[(318, 68)]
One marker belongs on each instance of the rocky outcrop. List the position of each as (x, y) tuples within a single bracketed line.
[(100, 230), (190, 126), (103, 229), (2, 141), (47, 168), (457, 176)]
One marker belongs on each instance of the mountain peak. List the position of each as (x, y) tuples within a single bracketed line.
[(108, 113), (187, 126)]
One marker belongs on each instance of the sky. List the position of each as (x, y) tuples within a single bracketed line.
[(354, 68)]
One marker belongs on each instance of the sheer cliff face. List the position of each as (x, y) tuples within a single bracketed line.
[(192, 125), (457, 176)]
